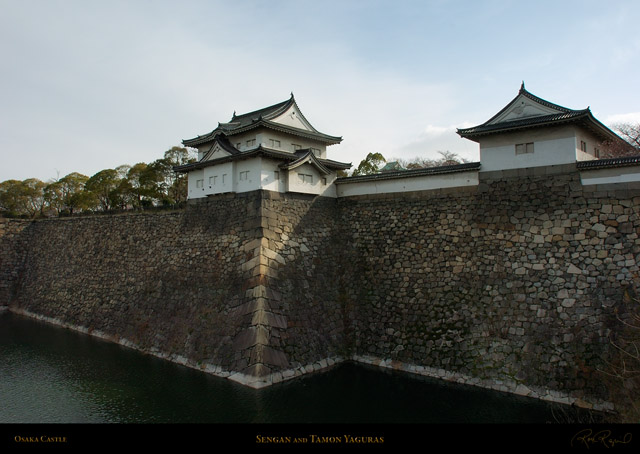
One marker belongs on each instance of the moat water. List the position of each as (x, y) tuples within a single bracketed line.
[(53, 375)]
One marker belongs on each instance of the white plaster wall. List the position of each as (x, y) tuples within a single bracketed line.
[(253, 181), (293, 118), (241, 139), (552, 146), (193, 191), (268, 179), (287, 141), (262, 137), (608, 176), (419, 183), (592, 143), (316, 187), (218, 171)]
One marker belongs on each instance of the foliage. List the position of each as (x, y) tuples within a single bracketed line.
[(140, 186), (104, 186), (22, 197), (369, 165)]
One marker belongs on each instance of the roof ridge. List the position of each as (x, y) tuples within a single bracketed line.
[(523, 91), (526, 121), (260, 112), (544, 102)]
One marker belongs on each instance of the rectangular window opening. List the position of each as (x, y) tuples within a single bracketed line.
[(524, 148)]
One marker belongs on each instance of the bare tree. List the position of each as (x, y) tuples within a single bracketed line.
[(630, 146), (629, 132), (447, 158)]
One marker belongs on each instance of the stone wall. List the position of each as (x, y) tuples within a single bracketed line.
[(237, 285), (13, 248), (511, 284), (166, 283)]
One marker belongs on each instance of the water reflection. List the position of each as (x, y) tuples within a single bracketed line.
[(53, 375)]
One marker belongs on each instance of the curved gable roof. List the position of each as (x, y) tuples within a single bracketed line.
[(266, 117), (527, 110)]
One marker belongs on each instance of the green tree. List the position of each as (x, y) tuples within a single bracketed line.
[(67, 194), (11, 197), (142, 185), (33, 191), (104, 186), (369, 165), (176, 183), (22, 198)]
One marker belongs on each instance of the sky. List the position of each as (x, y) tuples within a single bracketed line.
[(89, 85)]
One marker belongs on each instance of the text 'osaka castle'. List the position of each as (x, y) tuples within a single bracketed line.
[(274, 148)]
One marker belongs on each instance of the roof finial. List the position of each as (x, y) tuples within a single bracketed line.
[(522, 86), (292, 94)]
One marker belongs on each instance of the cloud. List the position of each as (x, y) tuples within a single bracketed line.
[(632, 117)]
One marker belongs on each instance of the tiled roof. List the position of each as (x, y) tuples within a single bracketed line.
[(259, 151), (523, 123), (391, 166), (411, 173), (611, 162), (224, 144), (583, 117), (262, 118), (306, 158)]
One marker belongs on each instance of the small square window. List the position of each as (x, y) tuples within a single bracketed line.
[(305, 178), (523, 148), (583, 146)]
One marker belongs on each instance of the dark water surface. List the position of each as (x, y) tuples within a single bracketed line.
[(53, 375)]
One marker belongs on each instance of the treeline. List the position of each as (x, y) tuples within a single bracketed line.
[(374, 162), (126, 187)]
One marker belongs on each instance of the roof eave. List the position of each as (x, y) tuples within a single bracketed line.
[(466, 167), (259, 151), (584, 118), (317, 136)]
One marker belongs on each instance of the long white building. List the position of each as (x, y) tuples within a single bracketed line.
[(277, 149)]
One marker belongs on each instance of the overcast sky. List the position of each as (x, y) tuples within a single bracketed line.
[(89, 85)]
